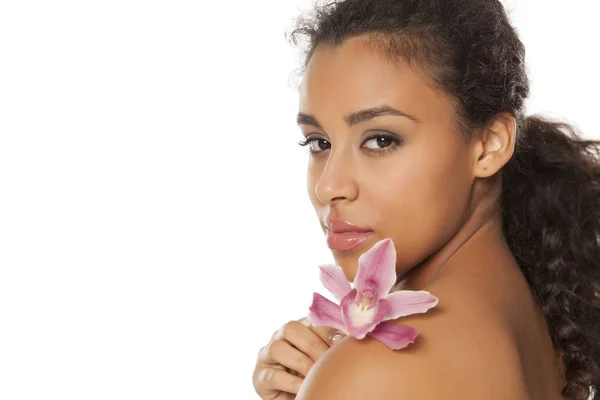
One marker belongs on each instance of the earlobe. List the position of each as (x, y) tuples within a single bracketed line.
[(496, 145)]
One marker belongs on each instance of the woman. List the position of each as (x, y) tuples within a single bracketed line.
[(413, 111)]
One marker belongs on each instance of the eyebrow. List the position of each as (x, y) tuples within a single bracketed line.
[(357, 117)]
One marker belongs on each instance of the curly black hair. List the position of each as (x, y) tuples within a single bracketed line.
[(550, 195)]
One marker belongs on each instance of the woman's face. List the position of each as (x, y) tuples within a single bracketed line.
[(415, 191)]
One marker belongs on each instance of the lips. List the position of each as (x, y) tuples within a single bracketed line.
[(344, 235), (346, 241), (339, 226)]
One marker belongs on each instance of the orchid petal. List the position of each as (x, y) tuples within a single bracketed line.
[(377, 269), (334, 280), (393, 335), (359, 320), (407, 302), (324, 312)]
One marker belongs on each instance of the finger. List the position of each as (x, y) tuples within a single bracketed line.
[(304, 339), (277, 352), (270, 379), (328, 334), (290, 357)]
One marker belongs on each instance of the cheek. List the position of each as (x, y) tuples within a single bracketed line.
[(423, 207)]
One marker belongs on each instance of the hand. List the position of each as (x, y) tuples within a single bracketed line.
[(284, 362)]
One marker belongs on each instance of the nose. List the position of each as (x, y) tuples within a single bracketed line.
[(337, 180)]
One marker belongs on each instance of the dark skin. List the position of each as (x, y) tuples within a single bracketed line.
[(436, 197)]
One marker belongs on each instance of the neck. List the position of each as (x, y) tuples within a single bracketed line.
[(483, 224)]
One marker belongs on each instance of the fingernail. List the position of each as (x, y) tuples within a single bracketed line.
[(336, 337)]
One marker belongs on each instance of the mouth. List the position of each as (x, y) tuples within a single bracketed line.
[(341, 226), (346, 241)]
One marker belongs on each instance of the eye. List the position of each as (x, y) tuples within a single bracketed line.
[(381, 143), (316, 145)]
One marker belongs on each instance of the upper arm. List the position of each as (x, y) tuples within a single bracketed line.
[(456, 361)]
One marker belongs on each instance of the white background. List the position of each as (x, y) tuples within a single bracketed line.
[(154, 222)]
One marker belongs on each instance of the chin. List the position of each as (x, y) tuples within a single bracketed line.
[(349, 270)]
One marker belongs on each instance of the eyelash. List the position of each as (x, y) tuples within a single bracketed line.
[(396, 143)]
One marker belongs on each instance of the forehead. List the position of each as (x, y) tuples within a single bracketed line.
[(353, 76)]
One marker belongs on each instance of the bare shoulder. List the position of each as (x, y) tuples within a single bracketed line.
[(463, 351)]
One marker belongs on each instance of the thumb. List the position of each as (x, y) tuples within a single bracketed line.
[(328, 334), (335, 337)]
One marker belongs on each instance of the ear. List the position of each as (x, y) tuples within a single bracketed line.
[(494, 145)]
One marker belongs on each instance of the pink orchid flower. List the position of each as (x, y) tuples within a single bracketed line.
[(365, 308)]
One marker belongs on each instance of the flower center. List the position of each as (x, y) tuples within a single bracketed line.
[(365, 300)]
